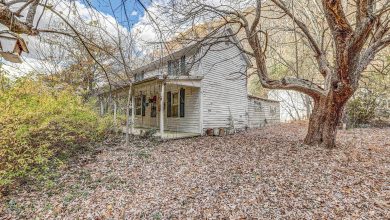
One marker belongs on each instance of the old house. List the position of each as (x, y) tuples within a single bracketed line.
[(181, 93)]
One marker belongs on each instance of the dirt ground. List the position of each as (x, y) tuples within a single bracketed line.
[(264, 173)]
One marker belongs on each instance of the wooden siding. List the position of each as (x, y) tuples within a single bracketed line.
[(193, 69), (260, 113), (189, 123), (221, 102), (149, 89), (224, 96)]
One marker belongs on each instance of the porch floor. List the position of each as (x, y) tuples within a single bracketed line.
[(167, 134)]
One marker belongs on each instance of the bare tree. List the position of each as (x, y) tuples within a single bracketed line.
[(90, 49), (11, 15), (343, 37)]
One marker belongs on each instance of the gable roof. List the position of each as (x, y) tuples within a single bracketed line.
[(189, 49)]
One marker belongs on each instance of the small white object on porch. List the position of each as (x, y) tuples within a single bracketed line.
[(162, 109)]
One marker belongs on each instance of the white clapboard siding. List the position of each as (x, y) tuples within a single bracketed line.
[(224, 98), (273, 117), (191, 65), (152, 73), (221, 102), (150, 89), (191, 120), (259, 112), (189, 123)]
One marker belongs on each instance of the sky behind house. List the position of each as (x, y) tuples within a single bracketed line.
[(126, 12), (131, 16)]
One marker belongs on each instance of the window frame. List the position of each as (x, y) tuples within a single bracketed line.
[(139, 76), (183, 69), (272, 110), (175, 105), (258, 106), (138, 106), (143, 105), (153, 107), (177, 67)]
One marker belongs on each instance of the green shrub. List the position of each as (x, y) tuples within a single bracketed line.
[(362, 109), (40, 128)]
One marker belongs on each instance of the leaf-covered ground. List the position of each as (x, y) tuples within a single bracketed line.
[(264, 174)]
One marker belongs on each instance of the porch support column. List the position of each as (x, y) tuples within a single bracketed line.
[(132, 113), (162, 113), (101, 107), (115, 122)]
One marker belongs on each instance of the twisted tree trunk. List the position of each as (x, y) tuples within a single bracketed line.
[(325, 117)]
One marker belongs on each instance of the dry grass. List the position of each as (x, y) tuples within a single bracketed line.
[(262, 174)]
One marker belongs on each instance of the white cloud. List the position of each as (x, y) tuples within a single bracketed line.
[(159, 15), (103, 26), (100, 25)]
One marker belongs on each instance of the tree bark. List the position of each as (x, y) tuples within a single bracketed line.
[(325, 117)]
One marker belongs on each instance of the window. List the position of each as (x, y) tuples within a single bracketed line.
[(139, 76), (175, 104), (138, 106), (153, 105), (143, 105), (258, 106), (173, 67), (183, 65), (227, 41), (177, 67), (272, 110), (170, 67)]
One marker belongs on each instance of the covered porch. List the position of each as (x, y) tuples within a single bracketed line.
[(169, 105)]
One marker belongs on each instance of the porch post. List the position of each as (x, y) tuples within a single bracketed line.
[(132, 114), (162, 109), (115, 123), (101, 107)]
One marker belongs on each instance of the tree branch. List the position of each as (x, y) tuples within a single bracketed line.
[(8, 18), (319, 54)]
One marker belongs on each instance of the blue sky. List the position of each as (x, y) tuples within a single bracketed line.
[(126, 12)]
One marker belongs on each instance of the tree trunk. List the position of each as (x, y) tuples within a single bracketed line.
[(324, 119)]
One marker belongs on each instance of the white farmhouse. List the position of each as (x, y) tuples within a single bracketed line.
[(196, 90)]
